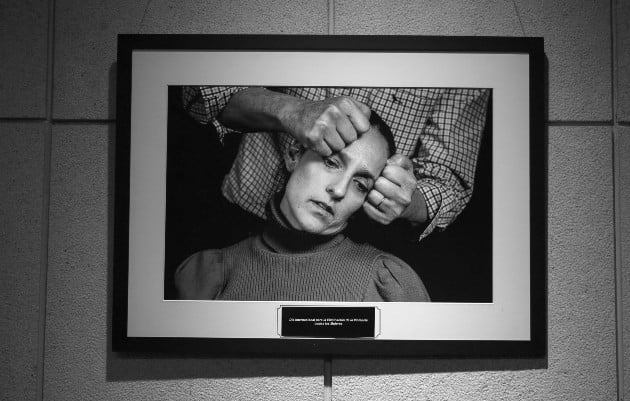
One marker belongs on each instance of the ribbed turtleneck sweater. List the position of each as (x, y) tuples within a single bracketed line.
[(284, 264)]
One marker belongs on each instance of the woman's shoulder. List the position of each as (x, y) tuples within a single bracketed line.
[(395, 281), (200, 276)]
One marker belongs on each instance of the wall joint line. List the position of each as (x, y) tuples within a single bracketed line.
[(616, 165), (45, 215)]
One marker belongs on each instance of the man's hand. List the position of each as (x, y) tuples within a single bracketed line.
[(394, 194), (326, 126)]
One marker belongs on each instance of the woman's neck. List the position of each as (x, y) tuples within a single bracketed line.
[(280, 237)]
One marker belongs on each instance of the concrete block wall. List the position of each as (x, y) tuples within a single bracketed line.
[(57, 123)]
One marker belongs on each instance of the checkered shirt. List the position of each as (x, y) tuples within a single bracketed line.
[(438, 129)]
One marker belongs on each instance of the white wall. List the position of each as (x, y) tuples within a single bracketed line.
[(57, 119)]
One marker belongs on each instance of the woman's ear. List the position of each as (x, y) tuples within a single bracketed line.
[(292, 156)]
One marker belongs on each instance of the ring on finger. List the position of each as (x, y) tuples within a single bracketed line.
[(380, 203)]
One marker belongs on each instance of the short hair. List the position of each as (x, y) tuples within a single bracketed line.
[(381, 126)]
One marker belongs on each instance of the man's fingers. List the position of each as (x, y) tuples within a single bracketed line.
[(399, 176), (400, 195), (346, 130), (387, 188), (374, 213), (330, 125), (333, 140), (321, 147), (375, 197), (363, 108), (357, 112), (401, 161)]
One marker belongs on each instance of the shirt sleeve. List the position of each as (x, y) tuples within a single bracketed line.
[(200, 276), (446, 159), (395, 281), (205, 103)]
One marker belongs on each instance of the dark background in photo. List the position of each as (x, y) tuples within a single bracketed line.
[(455, 264)]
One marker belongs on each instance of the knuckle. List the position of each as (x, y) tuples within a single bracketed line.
[(332, 109), (321, 123), (344, 101), (317, 134)]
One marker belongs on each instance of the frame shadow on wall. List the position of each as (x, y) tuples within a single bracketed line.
[(475, 285)]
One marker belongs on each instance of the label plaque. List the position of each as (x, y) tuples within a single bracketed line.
[(327, 322)]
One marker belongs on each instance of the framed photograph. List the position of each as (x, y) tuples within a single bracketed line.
[(330, 195)]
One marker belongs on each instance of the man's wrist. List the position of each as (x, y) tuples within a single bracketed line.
[(416, 212), (287, 113)]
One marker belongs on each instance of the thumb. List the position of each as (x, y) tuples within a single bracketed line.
[(364, 108), (359, 116), (400, 161)]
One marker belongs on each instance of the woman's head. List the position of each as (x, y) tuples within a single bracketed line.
[(323, 192)]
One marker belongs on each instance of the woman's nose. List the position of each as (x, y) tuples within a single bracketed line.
[(337, 189)]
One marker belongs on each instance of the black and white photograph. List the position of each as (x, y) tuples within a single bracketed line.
[(312, 192), (363, 201)]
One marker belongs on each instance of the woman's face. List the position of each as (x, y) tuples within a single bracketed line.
[(323, 192)]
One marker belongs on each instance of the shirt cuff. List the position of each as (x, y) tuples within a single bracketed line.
[(215, 98), (441, 205)]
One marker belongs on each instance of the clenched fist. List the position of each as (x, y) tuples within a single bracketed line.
[(394, 192), (327, 126)]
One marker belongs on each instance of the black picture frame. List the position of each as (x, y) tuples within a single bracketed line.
[(125, 160)]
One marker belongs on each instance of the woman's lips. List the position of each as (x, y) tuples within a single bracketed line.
[(324, 206)]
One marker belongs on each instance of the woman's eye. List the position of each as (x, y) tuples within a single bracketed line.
[(330, 162), (361, 186)]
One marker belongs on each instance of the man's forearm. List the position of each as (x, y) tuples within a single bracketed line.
[(257, 109), (324, 126)]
